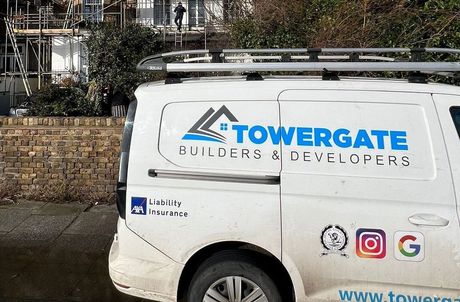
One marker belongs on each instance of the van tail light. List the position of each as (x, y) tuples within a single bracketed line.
[(124, 159)]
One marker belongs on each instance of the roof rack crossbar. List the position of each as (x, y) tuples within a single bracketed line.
[(289, 58), (341, 50), (306, 59), (315, 66)]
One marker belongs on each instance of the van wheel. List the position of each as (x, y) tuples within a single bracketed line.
[(231, 277)]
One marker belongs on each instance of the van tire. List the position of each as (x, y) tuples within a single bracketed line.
[(235, 264)]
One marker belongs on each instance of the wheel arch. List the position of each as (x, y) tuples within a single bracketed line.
[(271, 264)]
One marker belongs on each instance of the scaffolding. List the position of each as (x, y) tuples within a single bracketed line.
[(203, 18), (33, 27), (39, 28)]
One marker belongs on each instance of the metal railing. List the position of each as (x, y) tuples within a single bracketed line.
[(38, 21), (57, 21)]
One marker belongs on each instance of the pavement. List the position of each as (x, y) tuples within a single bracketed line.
[(56, 252)]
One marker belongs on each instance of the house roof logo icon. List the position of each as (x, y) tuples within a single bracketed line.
[(201, 130)]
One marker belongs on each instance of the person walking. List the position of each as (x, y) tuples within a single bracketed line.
[(179, 10)]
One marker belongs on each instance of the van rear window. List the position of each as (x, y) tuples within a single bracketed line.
[(455, 111)]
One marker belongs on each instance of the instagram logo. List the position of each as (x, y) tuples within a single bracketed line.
[(371, 243)]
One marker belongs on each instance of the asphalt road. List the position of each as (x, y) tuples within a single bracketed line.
[(56, 252)]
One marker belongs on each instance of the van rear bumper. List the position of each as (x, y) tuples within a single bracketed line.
[(145, 278)]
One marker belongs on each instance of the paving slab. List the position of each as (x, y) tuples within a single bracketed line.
[(12, 217), (38, 228), (99, 288), (100, 265), (77, 243), (94, 223), (75, 266), (66, 259), (104, 208), (35, 285), (11, 266), (23, 245), (23, 204), (53, 209), (12, 251), (66, 299)]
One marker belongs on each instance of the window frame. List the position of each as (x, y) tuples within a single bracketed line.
[(455, 113), (162, 15)]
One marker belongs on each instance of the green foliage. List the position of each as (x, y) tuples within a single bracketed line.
[(288, 25), (442, 23), (249, 34), (318, 11), (114, 52), (361, 23), (442, 4), (62, 101)]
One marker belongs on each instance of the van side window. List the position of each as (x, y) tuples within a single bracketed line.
[(455, 111)]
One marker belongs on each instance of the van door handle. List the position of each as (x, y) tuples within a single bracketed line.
[(428, 220), (206, 176)]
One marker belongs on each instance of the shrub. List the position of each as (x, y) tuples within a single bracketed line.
[(114, 53), (8, 192), (62, 101), (57, 192), (339, 23), (62, 192), (361, 23)]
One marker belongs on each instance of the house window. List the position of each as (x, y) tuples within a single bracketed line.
[(10, 58), (93, 10), (196, 13), (162, 12)]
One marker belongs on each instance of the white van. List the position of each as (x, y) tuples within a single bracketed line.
[(281, 188)]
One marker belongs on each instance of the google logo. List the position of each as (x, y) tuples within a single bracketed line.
[(409, 246), (415, 247)]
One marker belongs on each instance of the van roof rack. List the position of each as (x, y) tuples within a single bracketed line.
[(329, 60)]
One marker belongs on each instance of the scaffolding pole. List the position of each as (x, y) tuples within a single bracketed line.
[(36, 25), (6, 45), (39, 48), (164, 18)]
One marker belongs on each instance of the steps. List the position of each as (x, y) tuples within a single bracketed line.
[(178, 38)]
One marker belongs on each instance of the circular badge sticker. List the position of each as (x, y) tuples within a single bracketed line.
[(334, 239)]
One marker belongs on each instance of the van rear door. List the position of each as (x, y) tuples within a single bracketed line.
[(448, 107), (367, 197)]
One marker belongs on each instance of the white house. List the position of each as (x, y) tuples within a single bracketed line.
[(200, 13), (69, 58)]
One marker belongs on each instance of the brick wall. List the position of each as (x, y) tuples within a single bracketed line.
[(78, 152)]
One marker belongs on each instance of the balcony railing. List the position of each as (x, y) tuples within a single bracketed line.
[(61, 21)]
